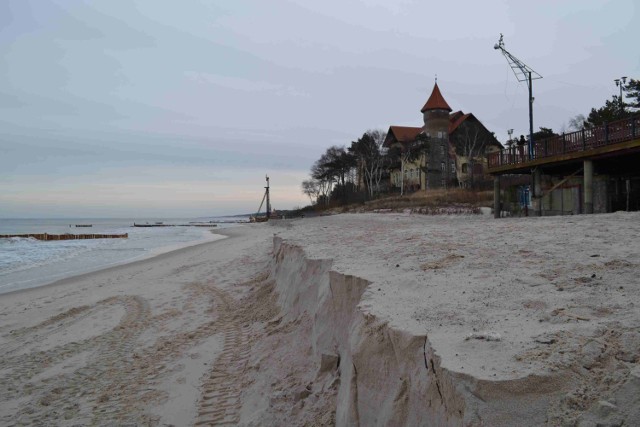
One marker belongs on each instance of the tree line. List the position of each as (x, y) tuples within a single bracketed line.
[(336, 175), (359, 172)]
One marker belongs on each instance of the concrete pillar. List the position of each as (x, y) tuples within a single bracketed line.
[(537, 192), (496, 196), (588, 186)]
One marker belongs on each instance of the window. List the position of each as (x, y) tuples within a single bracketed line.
[(453, 166), (442, 166), (442, 182), (440, 134), (464, 168), (442, 149)]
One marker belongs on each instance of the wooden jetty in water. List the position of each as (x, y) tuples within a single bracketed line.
[(67, 236)]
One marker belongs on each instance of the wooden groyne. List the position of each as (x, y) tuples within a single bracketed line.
[(68, 236), (175, 225)]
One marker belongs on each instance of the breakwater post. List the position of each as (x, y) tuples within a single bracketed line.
[(45, 236)]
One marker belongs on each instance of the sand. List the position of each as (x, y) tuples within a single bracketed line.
[(362, 319), (131, 344)]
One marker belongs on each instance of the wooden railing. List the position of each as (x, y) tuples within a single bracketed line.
[(582, 140)]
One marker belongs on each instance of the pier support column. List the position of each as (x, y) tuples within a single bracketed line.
[(588, 186), (537, 192), (496, 196)]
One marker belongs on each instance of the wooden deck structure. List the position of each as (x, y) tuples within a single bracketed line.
[(614, 137), (612, 149)]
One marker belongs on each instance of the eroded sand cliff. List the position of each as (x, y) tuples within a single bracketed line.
[(408, 320)]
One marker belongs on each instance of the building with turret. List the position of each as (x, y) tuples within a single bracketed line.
[(449, 149)]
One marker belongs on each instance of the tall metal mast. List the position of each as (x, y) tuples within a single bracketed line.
[(267, 196), (524, 74)]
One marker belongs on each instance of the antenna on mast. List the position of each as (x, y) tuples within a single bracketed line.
[(520, 69), (523, 73)]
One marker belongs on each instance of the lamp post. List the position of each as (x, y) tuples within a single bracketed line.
[(620, 83)]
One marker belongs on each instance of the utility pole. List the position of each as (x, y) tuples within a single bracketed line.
[(524, 74)]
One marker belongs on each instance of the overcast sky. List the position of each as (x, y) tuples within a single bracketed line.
[(180, 108)]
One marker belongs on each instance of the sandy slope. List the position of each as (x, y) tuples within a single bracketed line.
[(369, 319), (523, 321)]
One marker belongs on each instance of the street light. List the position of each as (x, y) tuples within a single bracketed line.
[(510, 142), (620, 83)]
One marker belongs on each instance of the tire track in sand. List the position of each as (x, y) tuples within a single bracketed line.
[(221, 390), (66, 396)]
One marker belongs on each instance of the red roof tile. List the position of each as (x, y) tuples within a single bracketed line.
[(401, 134), (436, 101)]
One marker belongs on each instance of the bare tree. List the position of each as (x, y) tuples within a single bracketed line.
[(410, 152), (378, 168), (311, 188), (577, 123), (470, 142), (370, 154)]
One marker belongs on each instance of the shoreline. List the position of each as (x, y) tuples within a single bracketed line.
[(128, 344), (154, 252), (109, 268)]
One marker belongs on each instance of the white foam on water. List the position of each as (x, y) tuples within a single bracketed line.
[(27, 262)]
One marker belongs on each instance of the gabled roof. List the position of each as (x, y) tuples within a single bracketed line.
[(401, 134), (436, 101), (456, 119)]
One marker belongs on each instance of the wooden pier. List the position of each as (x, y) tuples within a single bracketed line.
[(68, 236)]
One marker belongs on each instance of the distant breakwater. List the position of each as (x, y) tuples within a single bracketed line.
[(68, 236)]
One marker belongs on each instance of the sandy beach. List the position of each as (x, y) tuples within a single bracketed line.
[(361, 319), (131, 344)]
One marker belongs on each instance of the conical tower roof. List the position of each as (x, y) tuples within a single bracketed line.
[(436, 101)]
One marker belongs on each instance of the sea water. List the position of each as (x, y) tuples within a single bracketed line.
[(27, 262)]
